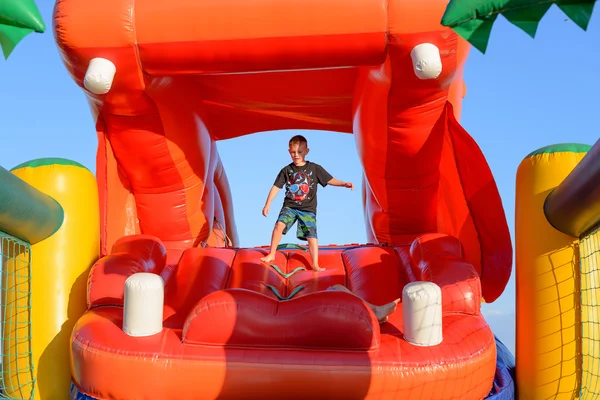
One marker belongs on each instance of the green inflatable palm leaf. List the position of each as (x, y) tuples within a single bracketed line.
[(18, 18), (473, 20)]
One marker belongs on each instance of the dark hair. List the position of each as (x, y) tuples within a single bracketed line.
[(298, 139)]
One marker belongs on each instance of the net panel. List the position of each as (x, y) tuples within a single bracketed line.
[(589, 250), (17, 377)]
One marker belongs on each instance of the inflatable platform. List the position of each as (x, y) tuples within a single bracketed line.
[(246, 330)]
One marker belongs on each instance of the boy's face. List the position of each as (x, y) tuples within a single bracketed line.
[(298, 152)]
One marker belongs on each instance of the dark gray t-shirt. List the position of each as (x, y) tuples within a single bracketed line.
[(301, 185)]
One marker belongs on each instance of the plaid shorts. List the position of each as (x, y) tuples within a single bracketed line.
[(307, 222)]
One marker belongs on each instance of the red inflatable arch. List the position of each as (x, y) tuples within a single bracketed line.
[(166, 80)]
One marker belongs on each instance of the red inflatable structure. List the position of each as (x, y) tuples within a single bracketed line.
[(165, 81), (227, 335)]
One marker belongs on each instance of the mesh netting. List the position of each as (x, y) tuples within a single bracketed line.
[(17, 378), (589, 250)]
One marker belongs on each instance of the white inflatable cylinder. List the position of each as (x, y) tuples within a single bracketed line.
[(422, 313), (427, 62), (143, 305), (99, 75)]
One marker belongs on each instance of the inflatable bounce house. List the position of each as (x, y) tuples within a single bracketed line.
[(131, 284)]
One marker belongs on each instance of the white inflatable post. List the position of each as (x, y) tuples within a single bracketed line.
[(427, 62), (143, 304), (99, 75), (422, 313)]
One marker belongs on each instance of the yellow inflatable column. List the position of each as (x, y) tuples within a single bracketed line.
[(59, 269), (547, 278)]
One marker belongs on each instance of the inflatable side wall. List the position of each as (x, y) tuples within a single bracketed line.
[(549, 305), (59, 268)]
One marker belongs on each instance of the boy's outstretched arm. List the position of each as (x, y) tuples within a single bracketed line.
[(272, 193), (337, 182)]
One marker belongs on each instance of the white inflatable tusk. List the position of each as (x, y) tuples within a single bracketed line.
[(143, 304), (99, 75), (427, 61), (422, 313)]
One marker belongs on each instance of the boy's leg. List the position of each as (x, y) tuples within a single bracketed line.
[(284, 222), (275, 238), (381, 312), (313, 249), (307, 230)]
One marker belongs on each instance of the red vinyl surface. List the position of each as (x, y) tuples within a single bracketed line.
[(226, 333)]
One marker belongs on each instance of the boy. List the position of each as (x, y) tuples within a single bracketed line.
[(300, 178)]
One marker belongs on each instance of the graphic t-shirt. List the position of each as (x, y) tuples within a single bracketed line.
[(301, 185)]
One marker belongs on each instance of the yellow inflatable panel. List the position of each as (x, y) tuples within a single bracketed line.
[(59, 270), (548, 282)]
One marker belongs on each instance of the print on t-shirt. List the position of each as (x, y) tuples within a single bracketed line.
[(298, 186), (301, 185)]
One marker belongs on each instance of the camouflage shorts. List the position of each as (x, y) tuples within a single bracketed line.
[(307, 222)]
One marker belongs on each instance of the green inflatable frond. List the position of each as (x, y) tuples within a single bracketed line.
[(473, 20), (18, 18), (10, 36)]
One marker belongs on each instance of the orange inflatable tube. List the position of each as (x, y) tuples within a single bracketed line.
[(227, 335), (165, 82)]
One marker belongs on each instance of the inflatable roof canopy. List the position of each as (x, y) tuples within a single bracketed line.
[(473, 20), (17, 20)]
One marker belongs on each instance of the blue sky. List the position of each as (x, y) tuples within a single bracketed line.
[(521, 95)]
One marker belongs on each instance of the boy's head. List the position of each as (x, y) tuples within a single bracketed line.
[(298, 149)]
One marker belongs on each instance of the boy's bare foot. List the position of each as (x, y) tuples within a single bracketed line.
[(382, 312), (317, 268), (268, 258)]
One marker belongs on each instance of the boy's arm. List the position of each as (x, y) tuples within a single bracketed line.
[(337, 182), (272, 193), (277, 185), (326, 177)]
